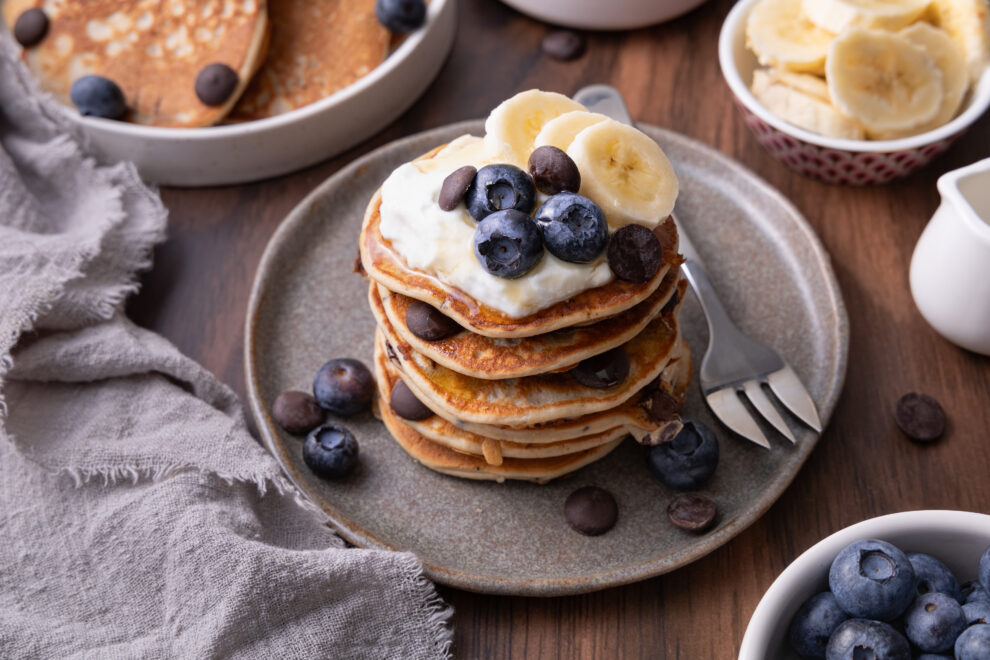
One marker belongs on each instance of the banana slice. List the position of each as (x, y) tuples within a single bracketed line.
[(625, 172), (882, 80), (802, 82), (781, 36), (514, 124), (839, 15), (805, 110), (968, 23), (560, 131)]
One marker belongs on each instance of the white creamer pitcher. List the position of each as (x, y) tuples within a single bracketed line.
[(950, 269)]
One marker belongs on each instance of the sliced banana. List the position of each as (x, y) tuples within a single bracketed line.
[(839, 15), (808, 111), (782, 36), (882, 80), (560, 131), (802, 82), (514, 124), (625, 172), (968, 23)]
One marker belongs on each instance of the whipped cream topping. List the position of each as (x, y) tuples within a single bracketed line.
[(441, 243)]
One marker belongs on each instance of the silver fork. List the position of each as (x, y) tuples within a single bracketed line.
[(734, 365)]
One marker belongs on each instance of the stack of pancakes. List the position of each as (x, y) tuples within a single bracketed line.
[(504, 401)]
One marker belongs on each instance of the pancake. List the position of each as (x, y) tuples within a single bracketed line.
[(152, 49), (533, 399), (494, 358), (317, 47), (388, 268)]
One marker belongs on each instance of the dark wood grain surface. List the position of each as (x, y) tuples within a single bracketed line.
[(197, 297)]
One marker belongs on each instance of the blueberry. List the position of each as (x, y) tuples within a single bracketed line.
[(401, 15), (976, 612), (97, 96), (498, 188), (933, 575), (574, 227), (687, 461), (973, 591), (343, 386), (330, 451), (984, 569), (933, 621), (974, 643), (814, 623), (862, 639), (508, 244), (872, 580)]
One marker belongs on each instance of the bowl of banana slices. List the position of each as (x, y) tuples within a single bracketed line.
[(857, 91)]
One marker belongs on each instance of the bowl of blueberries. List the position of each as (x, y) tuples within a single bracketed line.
[(906, 586)]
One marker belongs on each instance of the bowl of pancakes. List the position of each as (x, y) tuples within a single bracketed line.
[(313, 79)]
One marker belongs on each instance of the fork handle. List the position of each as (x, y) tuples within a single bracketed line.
[(719, 322)]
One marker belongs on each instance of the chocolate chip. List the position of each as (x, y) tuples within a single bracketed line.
[(215, 83), (426, 322), (297, 412), (603, 370), (591, 510), (920, 417), (671, 304), (405, 404), (31, 27), (564, 45), (553, 171), (694, 513), (454, 186), (634, 254), (663, 407)]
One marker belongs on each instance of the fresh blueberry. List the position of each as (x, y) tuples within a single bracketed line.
[(498, 188), (343, 386), (330, 451), (508, 244), (984, 570), (976, 612), (687, 461), (872, 580), (862, 639), (574, 227), (973, 591), (814, 623), (933, 575), (933, 621), (401, 15), (974, 643), (97, 96)]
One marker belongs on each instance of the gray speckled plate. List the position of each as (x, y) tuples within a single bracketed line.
[(307, 307)]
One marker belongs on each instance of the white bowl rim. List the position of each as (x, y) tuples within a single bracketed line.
[(203, 133), (734, 25), (824, 551)]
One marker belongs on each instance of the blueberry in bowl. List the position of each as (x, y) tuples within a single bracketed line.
[(872, 579)]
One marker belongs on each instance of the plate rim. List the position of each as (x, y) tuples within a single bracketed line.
[(544, 587)]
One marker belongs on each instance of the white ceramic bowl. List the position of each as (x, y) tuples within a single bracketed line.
[(601, 15), (958, 538), (830, 159), (269, 147)]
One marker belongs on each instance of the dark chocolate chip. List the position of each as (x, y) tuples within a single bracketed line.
[(297, 412), (635, 254), (426, 322), (663, 407), (671, 304), (920, 417), (564, 45), (31, 27), (215, 83), (553, 171), (694, 513), (591, 510), (454, 186), (405, 404), (603, 370)]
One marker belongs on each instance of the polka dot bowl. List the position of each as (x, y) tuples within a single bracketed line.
[(833, 160)]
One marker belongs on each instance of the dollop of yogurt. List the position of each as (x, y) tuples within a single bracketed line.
[(441, 243)]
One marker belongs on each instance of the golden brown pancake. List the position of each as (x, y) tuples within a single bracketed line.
[(152, 49), (317, 47)]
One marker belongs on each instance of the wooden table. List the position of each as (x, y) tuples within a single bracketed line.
[(198, 291)]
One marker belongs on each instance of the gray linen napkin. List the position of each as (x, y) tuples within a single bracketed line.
[(138, 518)]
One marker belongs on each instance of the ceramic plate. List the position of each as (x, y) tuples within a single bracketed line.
[(307, 306)]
